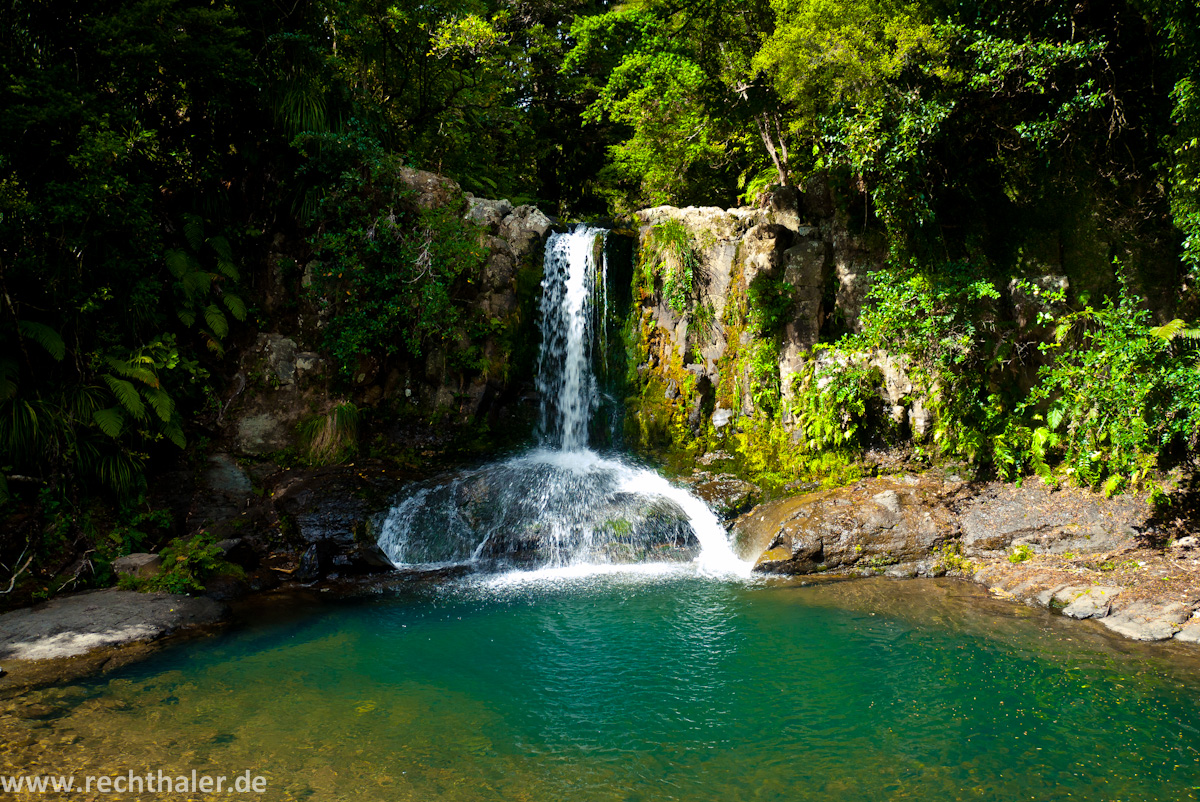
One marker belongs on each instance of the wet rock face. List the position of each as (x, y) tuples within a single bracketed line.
[(491, 515), (728, 496), (872, 524), (279, 386), (737, 248), (329, 513)]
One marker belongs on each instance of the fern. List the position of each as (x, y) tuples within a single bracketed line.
[(174, 432), (162, 404), (221, 246), (111, 421), (127, 394), (44, 336), (216, 321), (235, 305), (1175, 328), (179, 263), (193, 231)]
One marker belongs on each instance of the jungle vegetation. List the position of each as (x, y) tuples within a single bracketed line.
[(152, 150)]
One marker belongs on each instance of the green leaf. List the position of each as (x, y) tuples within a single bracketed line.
[(132, 371), (221, 246), (193, 229), (1168, 331), (216, 321), (161, 402), (127, 394), (45, 336), (1054, 417), (174, 433), (8, 379), (196, 283), (228, 269), (179, 263), (235, 305), (110, 421)]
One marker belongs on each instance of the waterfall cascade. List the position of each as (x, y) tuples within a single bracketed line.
[(561, 504)]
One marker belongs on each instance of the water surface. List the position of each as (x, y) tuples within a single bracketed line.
[(647, 686)]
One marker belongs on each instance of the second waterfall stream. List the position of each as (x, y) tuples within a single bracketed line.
[(560, 506)]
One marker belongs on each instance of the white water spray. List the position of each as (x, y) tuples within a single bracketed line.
[(561, 507)]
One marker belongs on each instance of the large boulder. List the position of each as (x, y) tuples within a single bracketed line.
[(869, 525)]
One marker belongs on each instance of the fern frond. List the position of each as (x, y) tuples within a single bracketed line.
[(161, 402), (216, 321), (221, 246), (179, 263), (193, 230), (110, 421), (127, 394), (187, 317), (213, 344), (44, 336), (228, 269), (173, 432), (235, 305), (1168, 331), (130, 370), (196, 283)]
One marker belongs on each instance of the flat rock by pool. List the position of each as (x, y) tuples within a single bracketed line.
[(99, 619)]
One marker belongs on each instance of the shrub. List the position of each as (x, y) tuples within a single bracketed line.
[(1119, 394)]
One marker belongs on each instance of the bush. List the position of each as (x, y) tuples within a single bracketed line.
[(1119, 395), (389, 268), (187, 564)]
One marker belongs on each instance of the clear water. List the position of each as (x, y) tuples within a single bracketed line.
[(653, 684)]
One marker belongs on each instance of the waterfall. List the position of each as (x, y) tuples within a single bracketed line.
[(565, 380), (561, 505)]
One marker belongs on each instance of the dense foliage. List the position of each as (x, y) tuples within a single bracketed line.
[(152, 152)]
